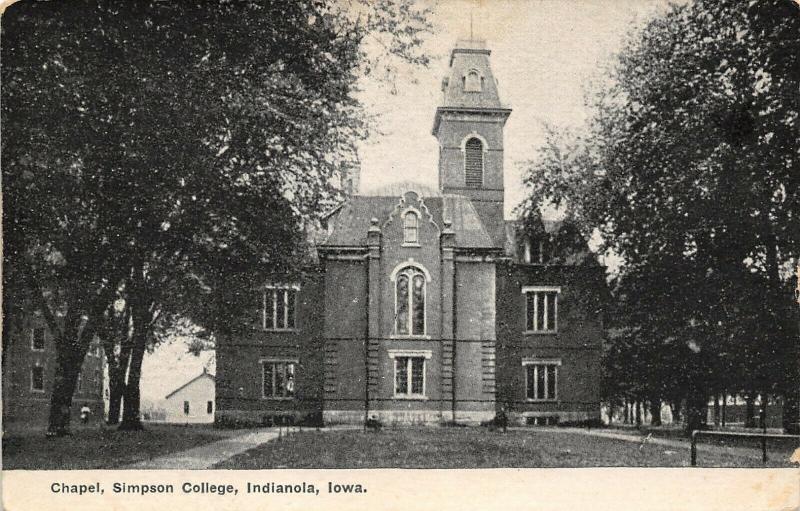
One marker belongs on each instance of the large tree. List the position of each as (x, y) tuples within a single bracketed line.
[(690, 171), (172, 150)]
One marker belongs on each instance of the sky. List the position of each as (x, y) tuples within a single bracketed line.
[(544, 54)]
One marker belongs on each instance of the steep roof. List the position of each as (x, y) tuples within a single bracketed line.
[(467, 56), (204, 374), (348, 226), (470, 231)]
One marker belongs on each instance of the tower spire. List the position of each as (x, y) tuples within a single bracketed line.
[(471, 12)]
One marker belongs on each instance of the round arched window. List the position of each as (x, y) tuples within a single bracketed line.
[(473, 163), (410, 302)]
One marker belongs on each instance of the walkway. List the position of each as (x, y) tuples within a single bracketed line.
[(207, 455)]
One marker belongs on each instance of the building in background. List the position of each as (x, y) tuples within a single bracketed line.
[(427, 306), (192, 402), (29, 356)]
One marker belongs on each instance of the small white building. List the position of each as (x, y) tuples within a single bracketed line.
[(192, 402)]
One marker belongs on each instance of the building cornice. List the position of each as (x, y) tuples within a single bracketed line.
[(497, 112)]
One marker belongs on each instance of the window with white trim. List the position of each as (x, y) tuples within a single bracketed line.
[(541, 309), (37, 378), (278, 378), (409, 376), (411, 228), (473, 163), (37, 338), (410, 292), (278, 308), (409, 373), (541, 379)]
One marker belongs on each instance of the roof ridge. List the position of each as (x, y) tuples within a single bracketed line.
[(204, 373)]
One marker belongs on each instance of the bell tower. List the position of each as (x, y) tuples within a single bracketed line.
[(469, 127)]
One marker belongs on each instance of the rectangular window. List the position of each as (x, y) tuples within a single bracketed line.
[(278, 308), (186, 407), (37, 379), (409, 376), (278, 379), (534, 252), (210, 407), (37, 339), (541, 309), (541, 380)]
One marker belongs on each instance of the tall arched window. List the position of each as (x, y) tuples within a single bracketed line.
[(473, 163), (410, 228), (410, 302)]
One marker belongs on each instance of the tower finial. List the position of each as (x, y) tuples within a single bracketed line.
[(471, 12)]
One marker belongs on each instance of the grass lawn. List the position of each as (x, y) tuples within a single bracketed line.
[(774, 445), (468, 448), (99, 447)]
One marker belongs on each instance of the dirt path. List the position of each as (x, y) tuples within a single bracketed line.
[(205, 456)]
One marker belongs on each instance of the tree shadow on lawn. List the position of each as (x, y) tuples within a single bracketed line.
[(100, 446), (467, 448)]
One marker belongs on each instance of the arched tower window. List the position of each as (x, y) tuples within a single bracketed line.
[(410, 228), (473, 81), (410, 302), (473, 163)]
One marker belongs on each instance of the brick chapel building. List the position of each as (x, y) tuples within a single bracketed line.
[(426, 307)]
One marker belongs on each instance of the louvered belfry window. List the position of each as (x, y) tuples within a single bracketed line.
[(473, 163)]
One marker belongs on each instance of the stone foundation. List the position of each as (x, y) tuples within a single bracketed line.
[(407, 417), (523, 418), (258, 417)]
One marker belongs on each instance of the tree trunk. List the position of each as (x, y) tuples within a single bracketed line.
[(116, 386), (724, 408), (655, 412), (64, 382), (791, 392), (116, 334), (72, 343), (676, 412), (791, 412), (141, 324), (638, 406), (786, 335), (132, 400), (750, 411), (716, 410), (626, 412)]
